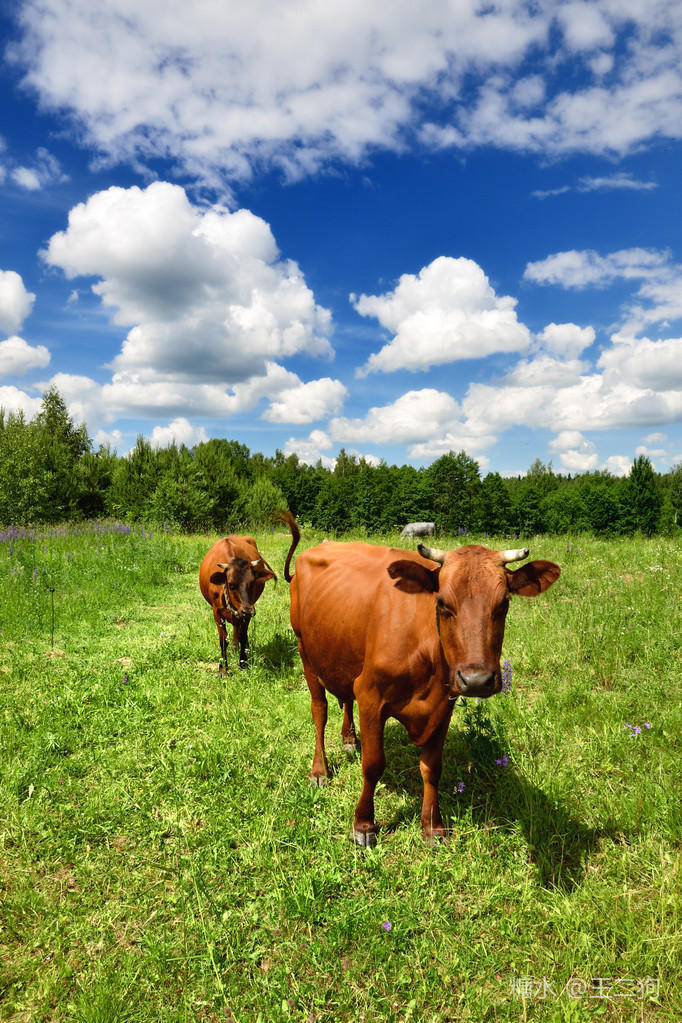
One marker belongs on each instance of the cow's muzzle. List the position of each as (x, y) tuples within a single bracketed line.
[(476, 680)]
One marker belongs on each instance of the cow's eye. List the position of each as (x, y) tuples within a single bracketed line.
[(443, 609), (501, 611)]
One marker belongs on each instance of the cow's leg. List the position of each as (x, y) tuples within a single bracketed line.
[(318, 706), (222, 636), (373, 764), (348, 738), (430, 765), (242, 633)]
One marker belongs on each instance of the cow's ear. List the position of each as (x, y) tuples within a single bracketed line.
[(262, 570), (533, 578), (411, 577)]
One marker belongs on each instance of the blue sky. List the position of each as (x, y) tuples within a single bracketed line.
[(309, 226)]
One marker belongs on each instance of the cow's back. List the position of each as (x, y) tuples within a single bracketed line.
[(346, 610)]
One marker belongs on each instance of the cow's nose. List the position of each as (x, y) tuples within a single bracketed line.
[(476, 681)]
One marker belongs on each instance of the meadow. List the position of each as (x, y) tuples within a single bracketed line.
[(163, 857)]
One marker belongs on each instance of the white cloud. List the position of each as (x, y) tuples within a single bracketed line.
[(619, 465), (26, 178), (566, 340), (111, 438), (310, 450), (415, 416), (306, 403), (14, 400), (578, 269), (655, 438), (585, 27), (575, 452), (17, 357), (180, 431), (45, 171), (545, 371), (226, 89), (15, 301), (618, 182), (645, 364), (203, 291), (449, 311)]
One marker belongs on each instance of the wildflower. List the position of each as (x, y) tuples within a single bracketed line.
[(460, 787), (647, 724), (506, 677), (386, 925), (502, 761)]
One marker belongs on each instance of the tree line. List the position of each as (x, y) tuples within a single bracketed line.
[(49, 472)]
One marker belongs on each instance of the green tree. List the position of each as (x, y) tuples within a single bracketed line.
[(644, 496), (453, 488), (263, 498), (495, 507)]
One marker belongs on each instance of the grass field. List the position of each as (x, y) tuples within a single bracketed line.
[(163, 857)]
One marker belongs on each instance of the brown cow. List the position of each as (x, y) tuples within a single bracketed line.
[(404, 634), (232, 577)]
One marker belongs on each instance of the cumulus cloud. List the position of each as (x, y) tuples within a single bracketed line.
[(15, 301), (14, 400), (645, 364), (619, 465), (575, 452), (110, 438), (414, 416), (306, 403), (180, 431), (17, 357), (203, 291), (226, 90), (566, 340), (309, 450), (448, 311)]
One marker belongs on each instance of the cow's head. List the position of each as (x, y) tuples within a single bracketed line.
[(243, 585), (472, 587)]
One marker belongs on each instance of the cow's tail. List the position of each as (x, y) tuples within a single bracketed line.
[(290, 521)]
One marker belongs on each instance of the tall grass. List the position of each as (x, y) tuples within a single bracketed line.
[(163, 858)]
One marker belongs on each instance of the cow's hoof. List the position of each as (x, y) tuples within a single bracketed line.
[(350, 747), (436, 837), (363, 837), (318, 781), (222, 670)]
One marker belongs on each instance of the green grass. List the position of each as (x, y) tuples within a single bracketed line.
[(163, 858)]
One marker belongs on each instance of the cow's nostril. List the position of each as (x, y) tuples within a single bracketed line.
[(476, 681)]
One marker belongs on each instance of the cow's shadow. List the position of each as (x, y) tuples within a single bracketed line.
[(495, 796), (279, 651)]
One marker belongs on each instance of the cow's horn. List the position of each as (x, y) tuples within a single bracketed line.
[(519, 555), (222, 565), (257, 561), (432, 553)]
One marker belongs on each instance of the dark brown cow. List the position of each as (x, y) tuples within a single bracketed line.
[(404, 634), (232, 577)]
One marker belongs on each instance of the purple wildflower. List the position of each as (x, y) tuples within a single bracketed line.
[(647, 724), (386, 925), (502, 761), (506, 677), (460, 786)]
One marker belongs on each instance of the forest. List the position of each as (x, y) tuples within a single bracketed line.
[(49, 472)]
